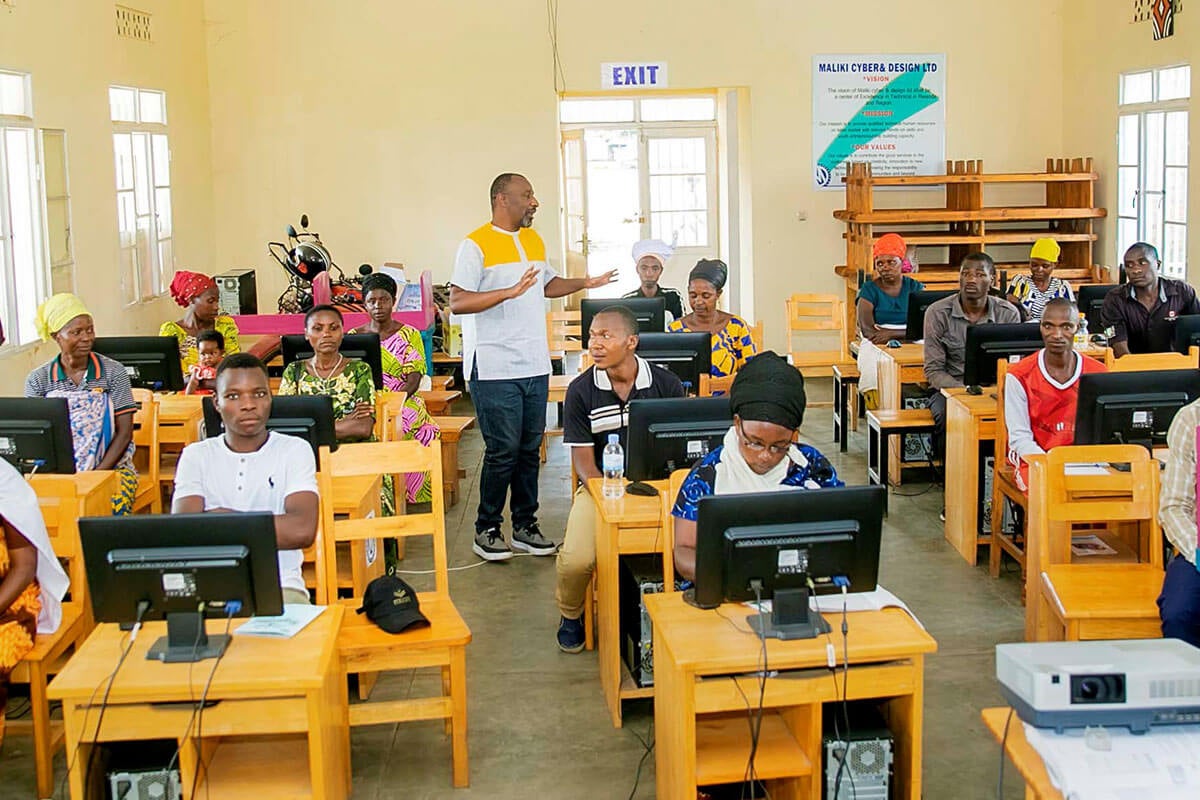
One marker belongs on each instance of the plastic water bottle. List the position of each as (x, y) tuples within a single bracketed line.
[(1081, 335), (613, 463)]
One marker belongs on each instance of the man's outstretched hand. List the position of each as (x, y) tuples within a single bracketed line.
[(595, 281)]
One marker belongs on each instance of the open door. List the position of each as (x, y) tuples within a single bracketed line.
[(575, 208)]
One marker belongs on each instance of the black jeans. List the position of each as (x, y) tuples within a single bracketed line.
[(937, 407), (1179, 603), (512, 418)]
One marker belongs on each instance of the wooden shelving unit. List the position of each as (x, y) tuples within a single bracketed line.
[(966, 224)]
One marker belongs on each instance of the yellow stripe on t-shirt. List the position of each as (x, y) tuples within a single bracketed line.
[(501, 248)]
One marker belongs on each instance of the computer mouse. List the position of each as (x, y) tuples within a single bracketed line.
[(974, 390), (643, 489), (893, 343)]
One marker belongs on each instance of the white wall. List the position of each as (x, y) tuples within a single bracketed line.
[(72, 50)]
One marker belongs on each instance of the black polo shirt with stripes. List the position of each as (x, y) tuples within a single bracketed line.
[(592, 410)]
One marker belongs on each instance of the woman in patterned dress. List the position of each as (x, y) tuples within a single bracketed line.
[(32, 582), (347, 381), (1030, 293), (197, 295), (403, 365), (97, 392), (732, 345)]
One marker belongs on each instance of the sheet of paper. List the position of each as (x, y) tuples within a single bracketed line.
[(294, 619), (1163, 764), (1081, 468), (1089, 544), (877, 600)]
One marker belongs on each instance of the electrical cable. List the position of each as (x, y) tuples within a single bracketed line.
[(1003, 744), (142, 607), (648, 747), (755, 719), (200, 765), (191, 720)]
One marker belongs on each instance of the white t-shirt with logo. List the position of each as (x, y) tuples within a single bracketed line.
[(258, 481)]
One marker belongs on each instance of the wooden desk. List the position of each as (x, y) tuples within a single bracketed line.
[(179, 418), (445, 358), (95, 488), (452, 429), (898, 366), (289, 693), (970, 431), (1021, 753), (702, 666), (628, 525), (438, 401)]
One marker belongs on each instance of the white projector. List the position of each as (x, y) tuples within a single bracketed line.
[(1134, 682)]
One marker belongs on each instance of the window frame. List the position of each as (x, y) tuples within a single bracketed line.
[(1142, 112)]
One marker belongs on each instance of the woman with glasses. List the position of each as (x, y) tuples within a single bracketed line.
[(760, 452)]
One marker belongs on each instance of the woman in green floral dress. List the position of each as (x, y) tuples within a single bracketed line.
[(346, 380)]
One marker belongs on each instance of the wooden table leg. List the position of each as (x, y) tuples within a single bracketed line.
[(905, 718), (608, 614), (675, 728)]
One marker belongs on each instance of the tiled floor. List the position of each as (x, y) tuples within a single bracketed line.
[(538, 725)]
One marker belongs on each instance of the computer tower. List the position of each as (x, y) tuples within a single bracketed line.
[(867, 749), (640, 575), (238, 291), (915, 446), (154, 784)]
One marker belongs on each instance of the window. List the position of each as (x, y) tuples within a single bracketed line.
[(1152, 164), (24, 279), (143, 165)]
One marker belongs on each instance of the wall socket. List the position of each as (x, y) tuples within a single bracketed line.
[(801, 216)]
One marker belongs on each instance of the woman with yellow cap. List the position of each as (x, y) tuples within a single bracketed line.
[(1030, 293), (97, 392), (882, 303)]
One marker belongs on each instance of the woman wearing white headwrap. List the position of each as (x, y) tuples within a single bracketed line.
[(32, 582), (650, 256)]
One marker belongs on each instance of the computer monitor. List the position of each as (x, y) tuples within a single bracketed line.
[(35, 434), (182, 568), (308, 417), (771, 545), (673, 433), (363, 346), (152, 362), (1090, 299), (988, 343), (651, 313), (1132, 407), (688, 355), (917, 303), (1187, 332)]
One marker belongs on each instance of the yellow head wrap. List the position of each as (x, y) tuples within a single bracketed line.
[(54, 314), (1046, 250)]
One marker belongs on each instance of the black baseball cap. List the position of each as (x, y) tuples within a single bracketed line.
[(392, 604)]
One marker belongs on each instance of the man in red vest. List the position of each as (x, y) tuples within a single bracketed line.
[(1041, 390)]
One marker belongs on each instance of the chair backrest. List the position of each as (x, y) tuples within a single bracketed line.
[(1144, 362), (667, 527), (388, 407), (380, 458), (1115, 497), (145, 435), (710, 385), (756, 336), (817, 315), (1001, 446), (564, 331), (61, 505)]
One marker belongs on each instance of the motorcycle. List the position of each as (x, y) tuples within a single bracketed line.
[(305, 259)]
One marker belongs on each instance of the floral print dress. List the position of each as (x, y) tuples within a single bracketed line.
[(18, 627)]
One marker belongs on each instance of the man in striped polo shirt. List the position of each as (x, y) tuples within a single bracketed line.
[(506, 359)]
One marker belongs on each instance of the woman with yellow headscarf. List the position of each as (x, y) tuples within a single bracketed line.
[(97, 392), (1030, 293)]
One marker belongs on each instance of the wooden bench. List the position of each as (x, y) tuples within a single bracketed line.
[(881, 426), (452, 430), (845, 406)]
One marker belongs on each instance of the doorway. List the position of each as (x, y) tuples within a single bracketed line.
[(639, 168)]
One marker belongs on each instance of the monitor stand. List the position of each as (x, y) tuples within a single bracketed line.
[(187, 640), (791, 617)]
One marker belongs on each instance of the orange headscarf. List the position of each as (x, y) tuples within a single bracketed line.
[(890, 244)]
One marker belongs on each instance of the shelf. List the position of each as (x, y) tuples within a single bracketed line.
[(929, 216), (723, 750), (263, 768), (1008, 177), (629, 689)]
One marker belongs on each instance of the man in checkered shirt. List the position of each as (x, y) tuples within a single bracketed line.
[(1179, 603)]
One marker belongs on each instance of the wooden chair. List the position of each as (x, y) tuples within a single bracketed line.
[(817, 315), (1004, 487), (1144, 362), (147, 457), (61, 505), (1096, 597), (366, 649), (756, 336), (564, 331)]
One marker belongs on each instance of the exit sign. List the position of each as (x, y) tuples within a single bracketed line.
[(635, 75)]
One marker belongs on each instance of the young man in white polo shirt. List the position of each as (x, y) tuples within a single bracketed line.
[(506, 359), (252, 469)]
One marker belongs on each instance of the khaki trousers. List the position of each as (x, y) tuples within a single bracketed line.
[(577, 557)]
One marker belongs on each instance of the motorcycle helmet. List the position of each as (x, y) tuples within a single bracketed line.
[(307, 260)]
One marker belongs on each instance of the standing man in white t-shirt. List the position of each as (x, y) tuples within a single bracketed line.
[(249, 468), (506, 359)]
